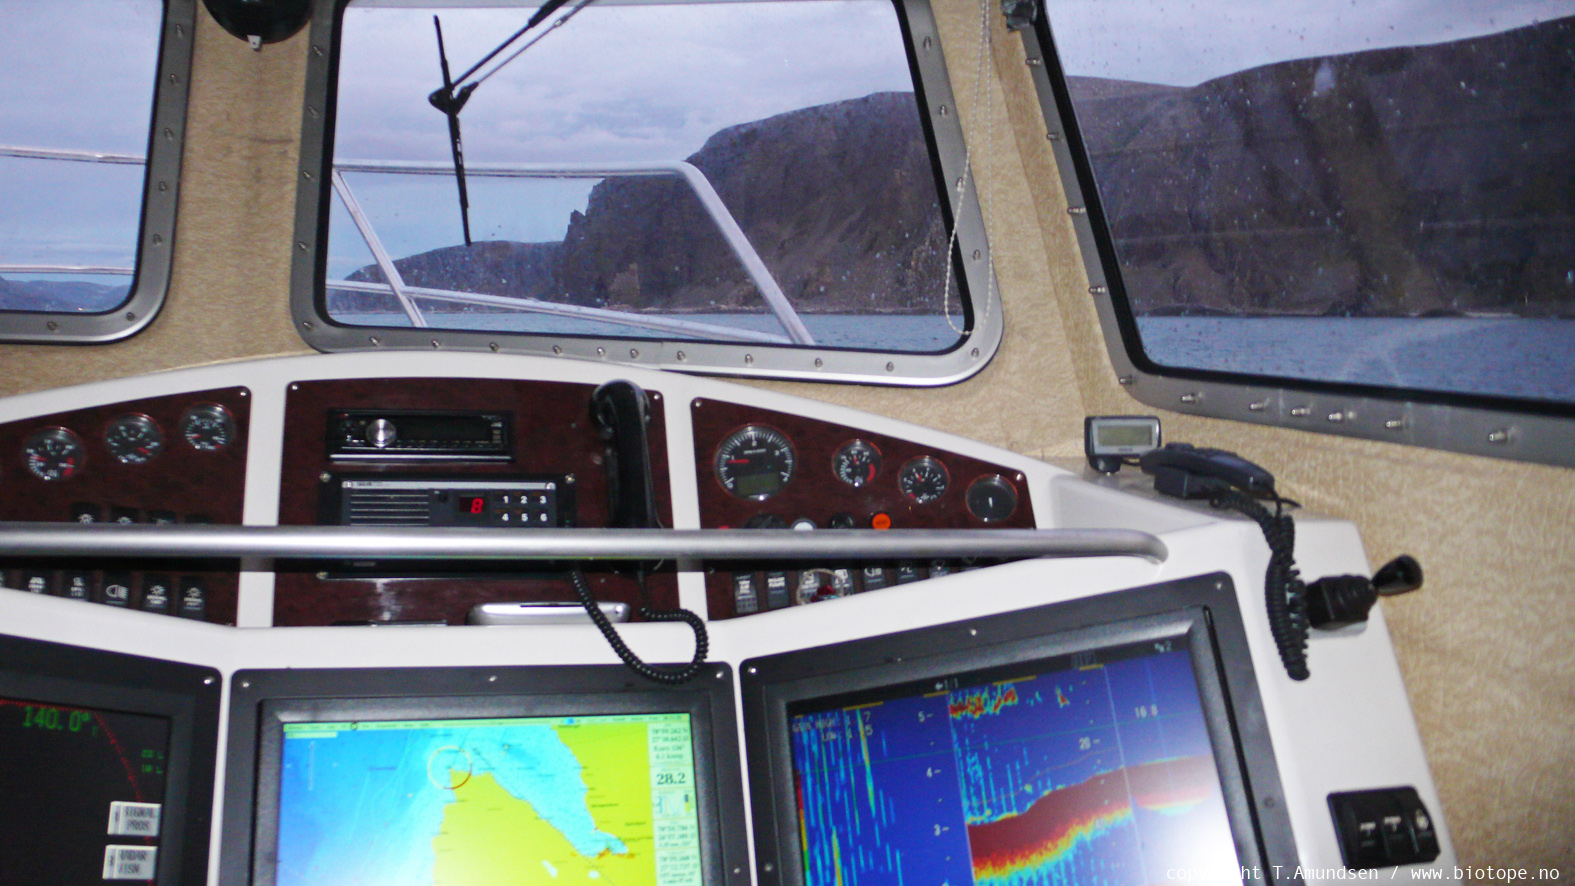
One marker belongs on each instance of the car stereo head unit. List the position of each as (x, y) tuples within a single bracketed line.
[(419, 434)]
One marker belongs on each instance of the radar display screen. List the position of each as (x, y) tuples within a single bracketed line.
[(81, 793), (1092, 767), (605, 799)]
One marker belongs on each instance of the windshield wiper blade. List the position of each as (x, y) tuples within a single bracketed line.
[(451, 103)]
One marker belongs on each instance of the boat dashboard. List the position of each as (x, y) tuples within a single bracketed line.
[(874, 571)]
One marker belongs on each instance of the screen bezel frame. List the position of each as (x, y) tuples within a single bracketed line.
[(185, 695), (1201, 611), (262, 701)]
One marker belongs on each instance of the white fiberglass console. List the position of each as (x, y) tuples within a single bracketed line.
[(1073, 674)]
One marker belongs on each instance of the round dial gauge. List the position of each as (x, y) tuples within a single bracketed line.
[(208, 427), (992, 498), (754, 462), (856, 463), (133, 439), (54, 454), (923, 479)]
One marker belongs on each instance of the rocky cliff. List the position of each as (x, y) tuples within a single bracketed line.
[(839, 200), (1401, 181)]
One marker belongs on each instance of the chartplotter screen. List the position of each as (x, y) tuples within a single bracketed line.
[(1094, 767), (577, 799)]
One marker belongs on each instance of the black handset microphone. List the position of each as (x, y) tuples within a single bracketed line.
[(621, 412)]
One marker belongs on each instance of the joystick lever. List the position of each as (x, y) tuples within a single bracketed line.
[(1336, 601)]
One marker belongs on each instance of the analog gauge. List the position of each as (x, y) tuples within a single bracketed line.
[(923, 479), (754, 462), (856, 463), (133, 439), (992, 499), (54, 454), (208, 427)]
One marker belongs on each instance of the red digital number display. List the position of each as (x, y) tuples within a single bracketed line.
[(478, 506)]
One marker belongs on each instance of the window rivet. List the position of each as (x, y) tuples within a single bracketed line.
[(928, 43), (1395, 424), (180, 30), (130, 316), (974, 353), (819, 363), (557, 349), (682, 356), (1301, 411), (1034, 63), (374, 340), (435, 343), (943, 110), (1499, 437), (52, 325), (977, 254), (1191, 397), (164, 186), (1337, 417), (1076, 210), (1258, 405), (890, 367), (169, 133), (317, 51), (749, 358), (1097, 290), (158, 239), (1053, 136), (634, 354), (307, 325), (301, 245), (307, 176), (1125, 381), (493, 345), (601, 352)]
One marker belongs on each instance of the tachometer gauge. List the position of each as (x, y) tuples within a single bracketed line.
[(856, 463), (208, 427), (923, 479), (754, 462), (54, 454), (133, 439)]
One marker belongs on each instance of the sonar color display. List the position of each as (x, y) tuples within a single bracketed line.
[(1093, 770), (588, 800)]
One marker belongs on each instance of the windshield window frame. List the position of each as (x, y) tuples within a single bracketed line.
[(160, 192), (972, 264), (1478, 424)]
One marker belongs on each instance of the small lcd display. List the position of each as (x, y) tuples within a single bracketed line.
[(81, 793), (1126, 434), (607, 799), (1085, 768)]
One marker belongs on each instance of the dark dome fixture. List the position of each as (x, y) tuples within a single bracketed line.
[(260, 21)]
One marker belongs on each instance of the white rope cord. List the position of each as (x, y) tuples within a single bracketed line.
[(986, 45)]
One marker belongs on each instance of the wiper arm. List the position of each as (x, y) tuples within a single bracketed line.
[(451, 103)]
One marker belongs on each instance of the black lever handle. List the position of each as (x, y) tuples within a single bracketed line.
[(1335, 601)]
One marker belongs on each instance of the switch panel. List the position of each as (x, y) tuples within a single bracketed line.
[(1383, 828)]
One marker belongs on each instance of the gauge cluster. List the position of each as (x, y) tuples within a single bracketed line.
[(173, 459), (759, 469)]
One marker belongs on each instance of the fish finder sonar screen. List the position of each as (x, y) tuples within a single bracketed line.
[(81, 793), (589, 800), (1094, 768)]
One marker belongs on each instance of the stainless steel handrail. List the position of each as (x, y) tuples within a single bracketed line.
[(745, 252), (67, 154), (666, 324), (448, 543)]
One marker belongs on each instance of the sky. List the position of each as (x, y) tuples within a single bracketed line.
[(1186, 42), (75, 74), (617, 83)]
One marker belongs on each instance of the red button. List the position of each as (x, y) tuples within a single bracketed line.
[(881, 521)]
